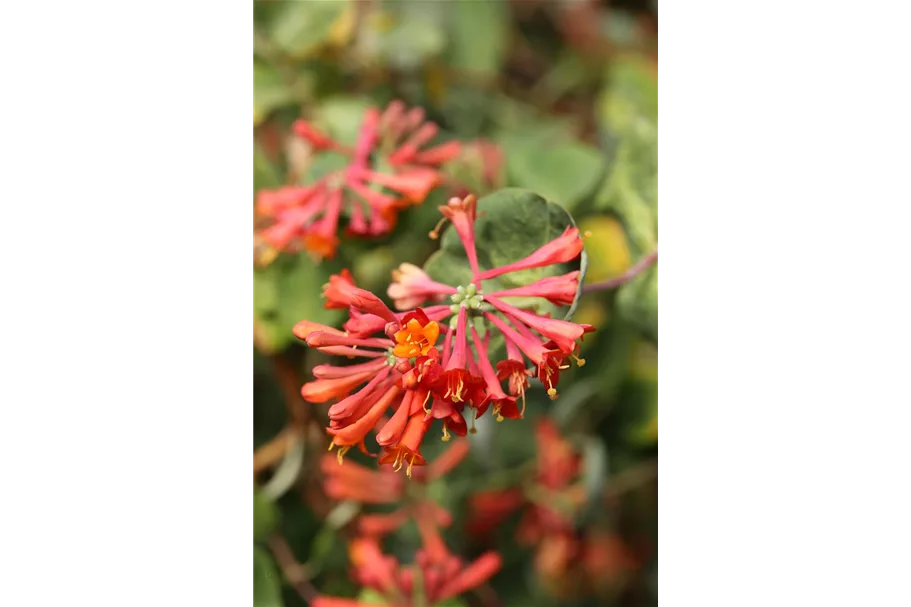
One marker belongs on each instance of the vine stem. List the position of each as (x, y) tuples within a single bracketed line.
[(294, 572), (634, 271)]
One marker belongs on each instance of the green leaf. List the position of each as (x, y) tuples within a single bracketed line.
[(631, 190), (267, 591), (637, 302), (512, 223), (342, 116), (265, 516), (265, 174), (631, 93), (594, 474), (479, 33), (269, 91), (412, 39), (371, 596), (286, 292), (342, 514), (567, 172), (300, 28), (287, 472)]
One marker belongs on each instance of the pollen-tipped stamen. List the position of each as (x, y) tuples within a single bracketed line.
[(435, 232), (340, 455)]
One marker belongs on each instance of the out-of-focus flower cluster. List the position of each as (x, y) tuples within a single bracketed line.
[(435, 576), (389, 168), (406, 370), (568, 560)]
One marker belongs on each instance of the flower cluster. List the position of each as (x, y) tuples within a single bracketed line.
[(358, 483), (435, 576), (407, 372), (307, 216), (567, 560)]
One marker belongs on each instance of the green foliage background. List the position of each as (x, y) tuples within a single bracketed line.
[(568, 90)]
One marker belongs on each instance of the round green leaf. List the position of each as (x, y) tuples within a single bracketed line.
[(267, 589), (512, 224)]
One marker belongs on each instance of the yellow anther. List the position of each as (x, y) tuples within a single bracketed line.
[(435, 232), (341, 454), (552, 393)]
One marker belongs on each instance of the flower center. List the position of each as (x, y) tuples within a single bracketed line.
[(414, 339), (466, 296)]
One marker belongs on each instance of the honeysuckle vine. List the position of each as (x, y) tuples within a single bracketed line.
[(458, 341)]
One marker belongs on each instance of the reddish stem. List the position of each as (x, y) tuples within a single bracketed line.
[(634, 271)]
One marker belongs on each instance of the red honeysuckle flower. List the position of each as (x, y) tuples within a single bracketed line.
[(308, 216), (411, 287)]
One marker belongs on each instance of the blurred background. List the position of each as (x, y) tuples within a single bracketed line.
[(560, 97)]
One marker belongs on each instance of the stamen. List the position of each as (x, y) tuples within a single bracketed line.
[(579, 361), (474, 417), (587, 233), (522, 412), (410, 464), (552, 393), (446, 435), (341, 454), (435, 232)]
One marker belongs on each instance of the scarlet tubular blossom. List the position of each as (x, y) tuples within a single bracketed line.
[(308, 217), (414, 184), (304, 328), (411, 287), (408, 448), (463, 214), (503, 406), (562, 249), (317, 140), (439, 154), (457, 384), (443, 575), (341, 293), (471, 576), (562, 332), (559, 290), (356, 482)]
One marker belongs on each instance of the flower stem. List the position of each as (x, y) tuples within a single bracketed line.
[(642, 265)]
